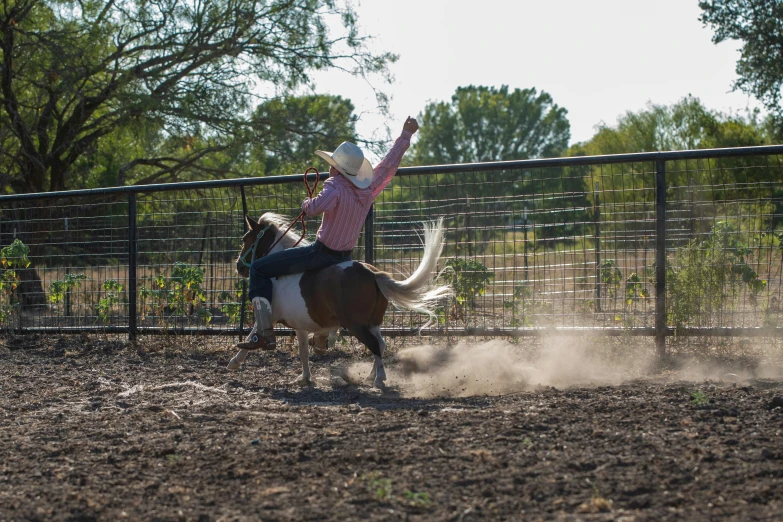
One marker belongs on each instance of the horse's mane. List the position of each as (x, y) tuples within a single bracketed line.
[(282, 223)]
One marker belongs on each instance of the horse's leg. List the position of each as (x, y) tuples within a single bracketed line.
[(238, 359), (319, 343), (380, 369), (370, 336), (304, 353)]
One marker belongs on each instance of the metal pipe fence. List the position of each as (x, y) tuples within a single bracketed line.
[(653, 244)]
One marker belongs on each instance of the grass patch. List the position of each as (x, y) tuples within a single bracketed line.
[(699, 398)]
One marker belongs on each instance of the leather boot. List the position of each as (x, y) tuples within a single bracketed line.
[(263, 335)]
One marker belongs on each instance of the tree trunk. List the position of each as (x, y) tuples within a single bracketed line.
[(30, 291)]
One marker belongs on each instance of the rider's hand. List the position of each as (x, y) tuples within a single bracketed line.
[(411, 125)]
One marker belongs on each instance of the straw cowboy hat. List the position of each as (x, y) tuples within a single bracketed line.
[(349, 160)]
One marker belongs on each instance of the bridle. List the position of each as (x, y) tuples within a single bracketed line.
[(300, 217), (252, 251)]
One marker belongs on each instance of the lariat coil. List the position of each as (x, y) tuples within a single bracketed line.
[(301, 216)]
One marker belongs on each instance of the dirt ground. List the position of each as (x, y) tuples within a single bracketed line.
[(98, 429)]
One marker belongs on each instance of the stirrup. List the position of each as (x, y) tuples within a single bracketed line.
[(258, 342)]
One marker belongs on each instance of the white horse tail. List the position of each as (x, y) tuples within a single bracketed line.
[(417, 293)]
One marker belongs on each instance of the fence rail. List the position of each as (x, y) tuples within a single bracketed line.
[(652, 244)]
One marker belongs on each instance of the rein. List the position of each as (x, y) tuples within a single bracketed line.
[(300, 217)]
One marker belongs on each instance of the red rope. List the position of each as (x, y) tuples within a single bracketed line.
[(301, 216)]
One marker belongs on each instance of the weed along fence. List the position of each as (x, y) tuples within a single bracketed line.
[(651, 244)]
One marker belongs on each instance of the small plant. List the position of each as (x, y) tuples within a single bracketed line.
[(611, 277), (232, 305), (417, 499), (186, 281), (469, 279), (12, 257), (597, 504), (635, 289), (60, 289), (699, 398), (520, 305), (381, 488), (157, 295), (173, 458), (524, 307), (181, 294), (106, 303)]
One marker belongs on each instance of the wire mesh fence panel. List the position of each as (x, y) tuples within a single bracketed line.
[(525, 247), (75, 246), (561, 244), (724, 231), (186, 244)]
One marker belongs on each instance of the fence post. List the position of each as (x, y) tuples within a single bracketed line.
[(243, 298), (660, 256), (524, 229), (597, 214), (132, 250), (369, 240)]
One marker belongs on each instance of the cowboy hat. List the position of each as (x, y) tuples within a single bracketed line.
[(349, 160)]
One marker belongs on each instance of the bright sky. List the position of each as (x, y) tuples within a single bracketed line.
[(598, 59)]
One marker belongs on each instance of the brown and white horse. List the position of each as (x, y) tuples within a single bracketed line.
[(351, 294)]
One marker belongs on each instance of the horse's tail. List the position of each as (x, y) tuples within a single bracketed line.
[(418, 293)]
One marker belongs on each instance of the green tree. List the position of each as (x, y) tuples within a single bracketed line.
[(167, 84), (684, 125), (297, 126), (489, 124), (758, 24), (484, 124)]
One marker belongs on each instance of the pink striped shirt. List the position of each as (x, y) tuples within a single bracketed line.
[(345, 206)]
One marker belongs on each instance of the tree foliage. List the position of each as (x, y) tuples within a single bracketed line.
[(758, 24), (297, 126), (156, 87), (489, 124), (684, 125)]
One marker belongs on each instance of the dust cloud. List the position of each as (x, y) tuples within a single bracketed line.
[(499, 367)]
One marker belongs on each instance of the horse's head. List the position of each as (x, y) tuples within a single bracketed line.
[(255, 243)]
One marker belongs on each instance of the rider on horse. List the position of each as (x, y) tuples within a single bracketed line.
[(344, 201)]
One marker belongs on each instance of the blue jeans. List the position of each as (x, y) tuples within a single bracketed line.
[(291, 261)]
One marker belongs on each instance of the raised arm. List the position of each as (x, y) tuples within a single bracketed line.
[(387, 168)]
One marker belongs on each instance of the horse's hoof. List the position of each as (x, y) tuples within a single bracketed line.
[(379, 383), (233, 364), (302, 381)]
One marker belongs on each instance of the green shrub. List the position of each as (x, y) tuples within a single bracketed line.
[(611, 277), (524, 306), (469, 279), (12, 257), (521, 305), (180, 294), (60, 290), (107, 301), (635, 289), (706, 276), (232, 305)]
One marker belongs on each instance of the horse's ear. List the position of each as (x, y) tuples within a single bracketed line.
[(251, 225)]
